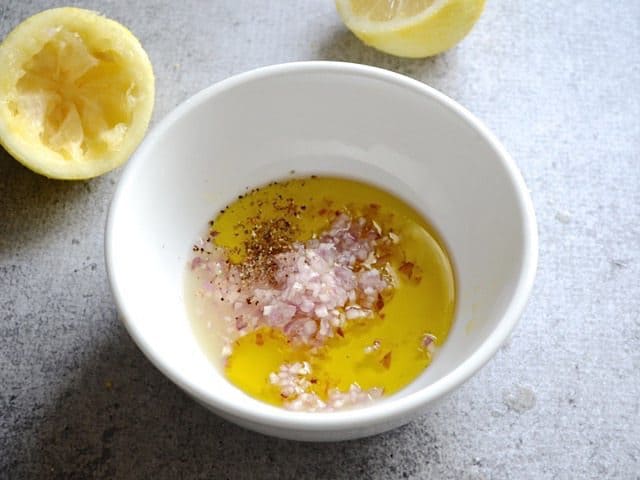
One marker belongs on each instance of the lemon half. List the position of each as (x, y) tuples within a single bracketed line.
[(410, 28), (76, 93)]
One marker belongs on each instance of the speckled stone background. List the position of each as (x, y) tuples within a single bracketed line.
[(558, 82)]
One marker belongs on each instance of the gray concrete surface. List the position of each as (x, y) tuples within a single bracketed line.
[(559, 85)]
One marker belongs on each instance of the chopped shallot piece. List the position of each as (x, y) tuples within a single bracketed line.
[(375, 346), (429, 341), (196, 262), (241, 323)]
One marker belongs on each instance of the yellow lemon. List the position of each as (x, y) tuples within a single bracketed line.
[(410, 28), (76, 93)]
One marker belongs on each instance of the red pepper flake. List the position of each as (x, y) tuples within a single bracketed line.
[(384, 258), (379, 303), (340, 332), (386, 360), (406, 268), (313, 380), (322, 211), (214, 233), (259, 339)]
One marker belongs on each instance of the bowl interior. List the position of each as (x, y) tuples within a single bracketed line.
[(315, 119)]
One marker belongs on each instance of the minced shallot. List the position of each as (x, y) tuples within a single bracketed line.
[(313, 288), (294, 383)]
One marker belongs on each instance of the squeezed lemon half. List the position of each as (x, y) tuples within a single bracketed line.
[(410, 28), (76, 93)]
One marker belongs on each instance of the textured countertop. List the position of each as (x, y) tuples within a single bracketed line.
[(559, 86)]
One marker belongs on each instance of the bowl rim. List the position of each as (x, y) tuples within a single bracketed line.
[(392, 408)]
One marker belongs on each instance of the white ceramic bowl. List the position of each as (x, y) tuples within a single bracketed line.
[(320, 118)]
